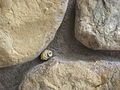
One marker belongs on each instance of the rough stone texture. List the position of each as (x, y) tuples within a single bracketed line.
[(71, 75), (67, 48), (27, 27), (56, 75), (1, 87), (11, 77), (98, 24)]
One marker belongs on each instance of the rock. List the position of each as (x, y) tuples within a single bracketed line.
[(98, 24), (1, 87), (103, 64), (58, 75), (73, 75), (27, 27)]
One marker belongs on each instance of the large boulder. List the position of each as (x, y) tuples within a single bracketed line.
[(98, 24), (73, 75), (27, 27), (57, 75)]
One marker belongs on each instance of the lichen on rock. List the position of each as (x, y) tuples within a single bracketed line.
[(97, 24)]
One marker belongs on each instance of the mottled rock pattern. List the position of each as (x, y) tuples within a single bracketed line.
[(98, 24), (56, 75), (1, 87), (27, 27), (73, 75), (106, 64)]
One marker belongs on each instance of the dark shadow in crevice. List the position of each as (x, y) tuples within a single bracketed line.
[(66, 45), (12, 76)]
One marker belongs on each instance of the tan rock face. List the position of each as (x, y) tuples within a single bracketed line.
[(98, 24), (55, 75), (27, 27)]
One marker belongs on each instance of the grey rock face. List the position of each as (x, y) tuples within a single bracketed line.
[(98, 24), (1, 87)]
